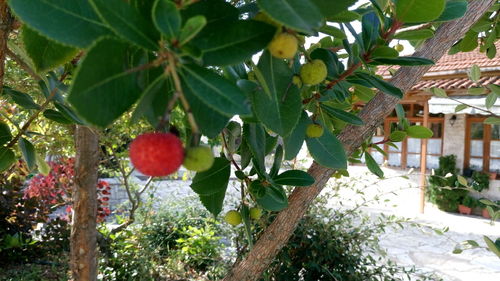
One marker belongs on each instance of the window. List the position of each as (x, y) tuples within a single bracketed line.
[(408, 152), (482, 146)]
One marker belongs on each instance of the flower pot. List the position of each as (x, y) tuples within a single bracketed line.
[(486, 214), (462, 209), (493, 176)]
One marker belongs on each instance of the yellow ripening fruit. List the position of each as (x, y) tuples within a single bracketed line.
[(263, 17), (199, 158), (313, 72), (233, 217), (283, 46), (399, 47), (255, 213), (297, 81), (314, 131)]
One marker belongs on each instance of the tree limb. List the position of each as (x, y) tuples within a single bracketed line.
[(373, 114)]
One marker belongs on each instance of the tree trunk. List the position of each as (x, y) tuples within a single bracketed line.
[(373, 114), (5, 27), (83, 230)]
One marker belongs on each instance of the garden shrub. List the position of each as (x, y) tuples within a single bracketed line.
[(480, 181), (340, 244), (444, 189)]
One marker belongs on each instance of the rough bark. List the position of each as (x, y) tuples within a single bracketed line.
[(5, 28), (373, 114), (83, 230)]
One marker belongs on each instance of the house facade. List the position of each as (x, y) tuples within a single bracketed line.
[(476, 145)]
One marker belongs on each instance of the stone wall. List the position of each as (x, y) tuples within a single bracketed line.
[(454, 138)]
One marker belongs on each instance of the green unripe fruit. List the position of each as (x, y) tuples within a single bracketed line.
[(399, 47), (255, 213), (314, 72), (297, 81), (314, 131), (233, 218), (283, 46), (198, 158)]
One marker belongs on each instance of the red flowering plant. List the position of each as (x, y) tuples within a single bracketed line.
[(54, 189)]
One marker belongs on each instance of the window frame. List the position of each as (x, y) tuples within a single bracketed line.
[(486, 142)]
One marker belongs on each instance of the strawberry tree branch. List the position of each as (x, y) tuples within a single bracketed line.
[(277, 234)]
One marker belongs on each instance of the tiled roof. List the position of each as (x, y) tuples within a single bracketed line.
[(456, 66), (455, 83)]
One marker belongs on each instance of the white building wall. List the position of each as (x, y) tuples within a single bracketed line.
[(454, 138)]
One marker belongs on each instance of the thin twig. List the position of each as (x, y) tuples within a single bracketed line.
[(177, 83), (23, 64), (475, 107)]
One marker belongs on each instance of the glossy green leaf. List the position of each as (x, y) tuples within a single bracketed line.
[(210, 121), (127, 23), (232, 42), (7, 158), (495, 89), (342, 115), (416, 11), (5, 135), (278, 158), (474, 73), (215, 91), (492, 121), (102, 94), (344, 16), (213, 202), (373, 166), (327, 151), (453, 10), (28, 151), (274, 199), (68, 113), (167, 18), (438, 92), (469, 42), (328, 9), (301, 15), (370, 25), (405, 61), (461, 180), (419, 34), (45, 53), (397, 136), (153, 102), (460, 107), (56, 116), (476, 91), (255, 137), (294, 178), (281, 110), (191, 28), (491, 99), (380, 84), (73, 22), (215, 11), (419, 132), (293, 142), (22, 99), (333, 31), (385, 52), (214, 180), (43, 167), (492, 246)]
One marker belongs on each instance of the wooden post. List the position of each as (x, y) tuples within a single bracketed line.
[(423, 158)]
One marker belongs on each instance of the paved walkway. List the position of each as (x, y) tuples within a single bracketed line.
[(422, 246)]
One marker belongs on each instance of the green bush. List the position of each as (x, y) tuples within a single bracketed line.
[(470, 202), (444, 189), (338, 245), (480, 181)]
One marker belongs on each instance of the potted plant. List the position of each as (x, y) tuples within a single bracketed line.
[(480, 181), (484, 210), (444, 190), (467, 204)]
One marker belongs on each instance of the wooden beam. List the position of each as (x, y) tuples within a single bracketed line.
[(423, 159)]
